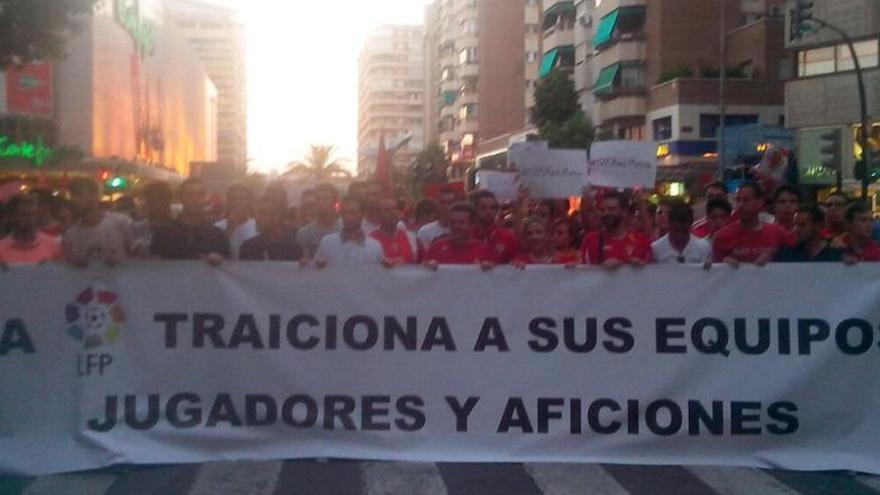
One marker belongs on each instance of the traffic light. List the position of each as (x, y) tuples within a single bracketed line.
[(116, 183), (800, 17), (873, 167), (830, 148)]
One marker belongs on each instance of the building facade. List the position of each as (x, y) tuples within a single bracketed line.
[(484, 59), (218, 36), (656, 75), (131, 98), (823, 94), (391, 95)]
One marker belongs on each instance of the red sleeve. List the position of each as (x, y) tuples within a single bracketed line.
[(720, 246), (590, 249)]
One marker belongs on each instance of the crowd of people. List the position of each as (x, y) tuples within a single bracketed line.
[(371, 225)]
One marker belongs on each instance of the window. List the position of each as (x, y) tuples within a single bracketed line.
[(467, 56), (709, 123), (816, 62), (632, 77), (867, 51), (663, 129), (467, 111), (531, 57), (469, 27)]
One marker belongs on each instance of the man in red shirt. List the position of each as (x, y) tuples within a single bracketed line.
[(835, 215), (398, 245), (715, 190), (857, 243), (616, 244), (786, 202), (749, 239), (718, 213), (460, 247), (502, 241)]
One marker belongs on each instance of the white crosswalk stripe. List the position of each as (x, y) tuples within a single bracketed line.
[(70, 484), (237, 478), (394, 478), (573, 479), (872, 482), (740, 481)]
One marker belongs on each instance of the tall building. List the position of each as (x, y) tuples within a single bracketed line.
[(567, 30), (656, 75), (391, 94), (131, 98), (218, 36), (483, 58), (823, 95)]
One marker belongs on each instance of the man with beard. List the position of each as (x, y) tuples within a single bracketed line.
[(616, 244), (460, 247), (749, 239), (502, 241), (810, 247)]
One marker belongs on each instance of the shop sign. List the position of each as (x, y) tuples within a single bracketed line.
[(37, 153)]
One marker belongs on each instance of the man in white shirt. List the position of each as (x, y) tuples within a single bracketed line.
[(439, 228), (350, 246), (239, 224), (679, 246)]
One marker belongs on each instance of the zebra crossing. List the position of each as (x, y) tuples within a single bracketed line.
[(400, 478)]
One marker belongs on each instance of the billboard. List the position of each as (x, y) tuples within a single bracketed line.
[(29, 90)]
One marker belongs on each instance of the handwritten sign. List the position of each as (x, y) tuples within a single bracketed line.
[(551, 174), (502, 184), (623, 164)]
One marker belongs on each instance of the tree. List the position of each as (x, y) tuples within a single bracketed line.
[(557, 113), (430, 165), (319, 164), (35, 30)]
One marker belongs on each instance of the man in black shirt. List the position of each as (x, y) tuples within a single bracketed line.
[(191, 236), (274, 242), (811, 246)]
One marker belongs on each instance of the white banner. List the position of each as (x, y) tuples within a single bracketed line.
[(623, 164), (181, 362)]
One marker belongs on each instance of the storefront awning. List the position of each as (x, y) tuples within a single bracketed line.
[(605, 81), (548, 62), (448, 97), (606, 28)]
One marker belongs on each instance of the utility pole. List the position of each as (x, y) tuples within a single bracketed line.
[(722, 77)]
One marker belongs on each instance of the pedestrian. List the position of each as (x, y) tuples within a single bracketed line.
[(191, 235), (275, 242), (239, 223), (326, 219), (399, 246), (786, 202), (809, 222), (157, 197), (715, 190), (749, 239), (350, 246), (661, 218), (679, 246), (835, 215), (565, 243), (616, 244), (857, 243), (96, 235), (718, 211), (536, 246), (25, 244), (460, 247), (432, 231), (487, 229)]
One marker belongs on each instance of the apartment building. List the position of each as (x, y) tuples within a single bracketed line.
[(483, 63), (656, 75), (823, 94), (391, 89), (217, 34)]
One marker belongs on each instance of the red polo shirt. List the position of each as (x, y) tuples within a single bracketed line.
[(503, 242), (632, 246), (395, 246)]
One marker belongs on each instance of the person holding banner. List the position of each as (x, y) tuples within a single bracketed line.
[(460, 247), (536, 248), (325, 222), (857, 243), (432, 231), (274, 242), (398, 244), (750, 239), (565, 243), (25, 244), (616, 244), (679, 246), (192, 235), (718, 211), (811, 246), (96, 235), (502, 241), (786, 202), (350, 246)]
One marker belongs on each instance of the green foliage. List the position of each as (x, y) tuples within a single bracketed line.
[(557, 113), (34, 30), (729, 72), (429, 167), (677, 73), (319, 164)]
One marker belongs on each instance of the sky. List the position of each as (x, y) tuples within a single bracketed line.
[(302, 72)]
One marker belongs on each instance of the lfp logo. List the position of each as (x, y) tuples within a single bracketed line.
[(95, 319)]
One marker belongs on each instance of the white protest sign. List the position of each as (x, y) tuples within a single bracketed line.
[(551, 174), (623, 164), (502, 184)]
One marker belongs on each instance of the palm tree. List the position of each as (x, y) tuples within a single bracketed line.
[(319, 164)]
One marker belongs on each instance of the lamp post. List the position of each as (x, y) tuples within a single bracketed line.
[(721, 90)]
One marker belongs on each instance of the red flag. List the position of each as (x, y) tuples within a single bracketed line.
[(383, 163)]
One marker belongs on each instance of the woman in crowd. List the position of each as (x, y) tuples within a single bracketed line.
[(565, 242)]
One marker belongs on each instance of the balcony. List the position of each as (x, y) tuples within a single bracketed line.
[(558, 36), (622, 107), (449, 111), (693, 91), (469, 98), (469, 71), (626, 50), (467, 126), (450, 85)]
